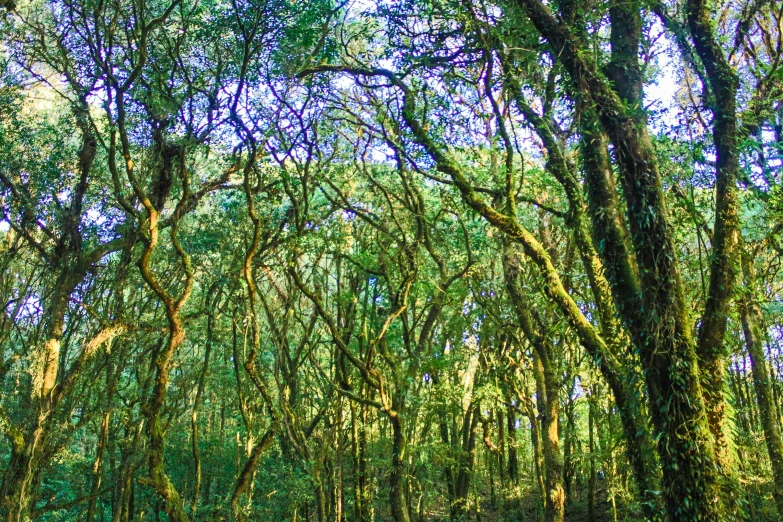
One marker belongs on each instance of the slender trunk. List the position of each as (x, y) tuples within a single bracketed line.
[(591, 448), (122, 507), (358, 513), (742, 406), (752, 324), (511, 435), (489, 461), (338, 511), (547, 393), (158, 478), (194, 416), (397, 502), (538, 457), (368, 500), (464, 472), (752, 409), (97, 468), (568, 437), (725, 242), (501, 447), (320, 500), (245, 476), (555, 506), (448, 472), (18, 480)]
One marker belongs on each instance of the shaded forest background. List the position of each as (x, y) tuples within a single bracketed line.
[(407, 260)]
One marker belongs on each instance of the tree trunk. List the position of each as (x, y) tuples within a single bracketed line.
[(511, 435), (591, 448), (668, 355), (538, 456), (194, 416), (555, 495), (724, 82), (97, 467), (358, 501), (752, 324), (547, 393), (245, 476), (397, 502)]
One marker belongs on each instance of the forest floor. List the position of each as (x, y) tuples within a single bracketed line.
[(576, 510), (525, 510)]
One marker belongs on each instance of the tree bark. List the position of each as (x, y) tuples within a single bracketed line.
[(194, 415), (358, 501), (591, 447), (669, 355), (397, 502), (725, 242), (246, 474), (752, 325)]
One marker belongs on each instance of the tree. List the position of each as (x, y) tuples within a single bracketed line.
[(409, 261)]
